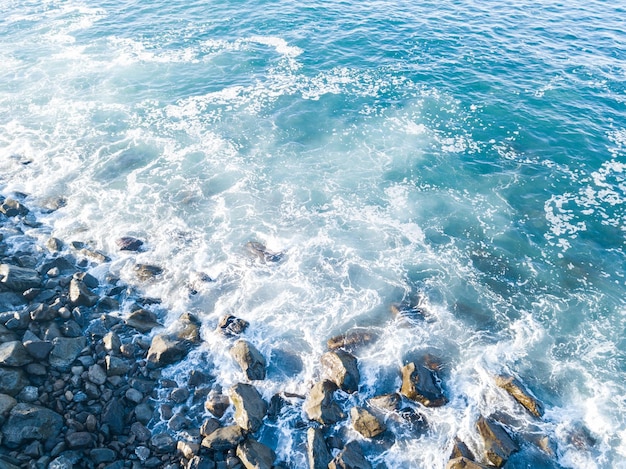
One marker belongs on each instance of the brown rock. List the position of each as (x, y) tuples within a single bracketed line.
[(341, 368), (255, 455), (217, 403), (499, 445), (419, 384), (464, 463), (224, 438), (388, 402), (351, 457), (351, 340), (250, 408), (460, 450), (520, 394), (366, 423), (320, 406), (250, 360)]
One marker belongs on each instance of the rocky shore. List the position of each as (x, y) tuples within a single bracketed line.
[(81, 385)]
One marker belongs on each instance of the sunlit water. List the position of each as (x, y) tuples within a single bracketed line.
[(471, 154)]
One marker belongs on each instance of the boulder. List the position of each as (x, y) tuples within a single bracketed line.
[(341, 368), (13, 208), (387, 402), (65, 350), (499, 445), (200, 462), (102, 455), (224, 438), (36, 348), (255, 455), (320, 405), (460, 450), (18, 278), (12, 381), (187, 448), (142, 320), (419, 384), (217, 403), (351, 457), (14, 354), (145, 272), (167, 349), (317, 452), (76, 440), (81, 295), (89, 280), (96, 374), (464, 463), (111, 342), (230, 325), (6, 404), (351, 340), (250, 360), (209, 426), (128, 243), (163, 443), (188, 328), (520, 394), (250, 408), (28, 422), (366, 423)]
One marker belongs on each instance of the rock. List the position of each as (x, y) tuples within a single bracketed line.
[(144, 412), (499, 445), (189, 328), (141, 433), (230, 325), (80, 295), (200, 462), (178, 422), (95, 256), (36, 348), (163, 443), (145, 272), (262, 253), (77, 440), (187, 449), (250, 408), (464, 463), (6, 404), (366, 423), (460, 450), (102, 455), (320, 406), (96, 374), (111, 342), (341, 368), (89, 280), (12, 381), (116, 366), (7, 336), (351, 457), (179, 395), (142, 320), (65, 351), (387, 402), (217, 403), (351, 340), (19, 279), (255, 455), (114, 416), (30, 422), (317, 452), (419, 384), (167, 349), (520, 394), (209, 426), (128, 243), (13, 208), (14, 354), (28, 394), (133, 395), (54, 244), (250, 360), (224, 438)]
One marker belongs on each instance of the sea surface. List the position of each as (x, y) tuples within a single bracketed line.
[(469, 156)]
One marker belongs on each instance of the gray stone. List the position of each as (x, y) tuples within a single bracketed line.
[(143, 453), (260, 251), (341, 368), (18, 278), (30, 422), (317, 452), (498, 444), (166, 349), (14, 354), (188, 328), (178, 422), (116, 366), (187, 448), (141, 433), (230, 325), (28, 394), (520, 394), (460, 450), (36, 369), (12, 381), (114, 416), (179, 395), (146, 272), (351, 457), (250, 408), (250, 360), (163, 443), (224, 438), (209, 426), (419, 384), (81, 295), (133, 395), (200, 462), (77, 440), (144, 412), (6, 404), (102, 455), (36, 348), (143, 320), (320, 405), (89, 280), (96, 374), (255, 455), (111, 342), (65, 351)]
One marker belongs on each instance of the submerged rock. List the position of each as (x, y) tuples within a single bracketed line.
[(320, 405), (145, 272), (255, 455), (351, 340), (366, 423), (419, 384), (388, 402), (351, 457), (18, 278), (29, 422), (250, 360), (188, 328), (262, 253), (341, 368), (317, 452), (128, 243), (499, 445), (230, 325), (13, 208), (250, 408), (520, 394)]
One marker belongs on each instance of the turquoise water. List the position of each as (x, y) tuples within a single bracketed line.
[(472, 154)]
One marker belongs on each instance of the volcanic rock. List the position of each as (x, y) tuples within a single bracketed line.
[(250, 360), (341, 368), (320, 405), (317, 452), (250, 408), (419, 384)]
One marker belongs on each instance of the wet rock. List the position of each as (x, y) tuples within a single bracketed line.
[(188, 328), (464, 463), (255, 455), (408, 310), (29, 422), (250, 360), (259, 251), (167, 349), (94, 255), (128, 243), (54, 244), (80, 295), (179, 395), (217, 403), (13, 208), (499, 445), (351, 457), (96, 374), (142, 320), (89, 280), (133, 395), (224, 438), (230, 325), (250, 408), (143, 412), (387, 402), (419, 384), (352, 340), (200, 462), (65, 351), (341, 368), (146, 272), (178, 422), (320, 406), (12, 381), (18, 278), (520, 394), (366, 423), (460, 450), (142, 434), (14, 354), (317, 452), (163, 443)]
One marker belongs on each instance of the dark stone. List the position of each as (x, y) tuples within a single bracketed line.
[(167, 349), (12, 381), (6, 404), (65, 350), (13, 208), (163, 443), (255, 455), (94, 256), (209, 426), (520, 394), (224, 438), (200, 462), (147, 272), (230, 325), (114, 416), (341, 368), (96, 374), (366, 423), (499, 445), (187, 448), (352, 340), (143, 320), (80, 295), (178, 422), (111, 342), (250, 408), (179, 395), (250, 360), (89, 280), (460, 450), (30, 422), (18, 278), (77, 440), (14, 354), (102, 455), (36, 348), (320, 405), (317, 452), (351, 457), (419, 384), (128, 243), (116, 366), (141, 433)]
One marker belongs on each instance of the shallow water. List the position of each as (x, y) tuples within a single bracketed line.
[(471, 154)]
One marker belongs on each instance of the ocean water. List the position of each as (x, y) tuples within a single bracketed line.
[(469, 155)]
